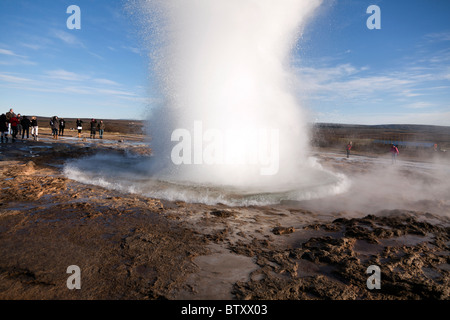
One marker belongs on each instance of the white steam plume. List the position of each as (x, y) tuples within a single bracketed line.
[(225, 66)]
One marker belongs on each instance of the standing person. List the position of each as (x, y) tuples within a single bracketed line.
[(79, 127), (14, 123), (348, 148), (26, 123), (62, 125), (34, 128), (19, 125), (93, 128), (394, 153), (9, 115), (54, 123), (101, 129), (3, 128)]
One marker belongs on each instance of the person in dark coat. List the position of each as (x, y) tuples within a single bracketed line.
[(3, 128), (19, 125), (62, 126), (93, 128), (26, 123), (54, 124), (9, 115), (79, 127), (101, 129)]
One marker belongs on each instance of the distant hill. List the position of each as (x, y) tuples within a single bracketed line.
[(321, 133), (327, 134)]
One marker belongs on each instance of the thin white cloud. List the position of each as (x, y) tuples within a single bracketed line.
[(132, 49), (9, 78), (408, 94), (12, 58), (68, 38), (16, 62), (8, 52), (347, 81), (438, 36), (96, 55), (419, 105), (63, 81), (115, 92), (106, 82), (56, 87), (77, 90), (61, 74), (32, 46)]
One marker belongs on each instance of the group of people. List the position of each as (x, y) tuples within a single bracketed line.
[(15, 125), (94, 125), (58, 126)]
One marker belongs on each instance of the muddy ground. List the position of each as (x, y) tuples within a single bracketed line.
[(133, 247)]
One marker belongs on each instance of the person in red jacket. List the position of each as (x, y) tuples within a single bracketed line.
[(14, 126), (348, 148), (394, 152)]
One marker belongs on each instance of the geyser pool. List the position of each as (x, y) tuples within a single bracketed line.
[(130, 174), (223, 66)]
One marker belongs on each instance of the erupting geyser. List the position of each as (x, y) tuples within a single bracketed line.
[(229, 116), (229, 128)]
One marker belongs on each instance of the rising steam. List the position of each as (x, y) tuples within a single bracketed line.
[(229, 129), (224, 66)]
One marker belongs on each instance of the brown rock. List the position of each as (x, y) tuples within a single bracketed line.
[(283, 230)]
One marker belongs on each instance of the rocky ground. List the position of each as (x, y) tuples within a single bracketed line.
[(133, 247)]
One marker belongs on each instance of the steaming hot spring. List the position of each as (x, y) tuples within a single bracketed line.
[(227, 127)]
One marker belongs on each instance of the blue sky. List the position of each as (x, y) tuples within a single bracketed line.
[(46, 69), (397, 74), (347, 73)]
